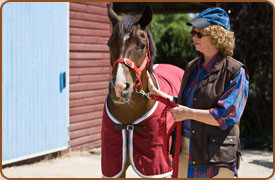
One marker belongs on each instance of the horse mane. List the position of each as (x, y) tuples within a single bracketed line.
[(152, 48), (129, 25)]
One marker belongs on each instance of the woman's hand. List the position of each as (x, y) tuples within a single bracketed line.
[(181, 113)]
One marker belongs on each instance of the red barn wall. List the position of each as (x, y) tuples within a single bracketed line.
[(90, 72)]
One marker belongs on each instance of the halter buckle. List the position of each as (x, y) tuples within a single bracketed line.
[(130, 127), (129, 63)]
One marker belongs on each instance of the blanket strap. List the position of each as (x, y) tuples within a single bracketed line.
[(128, 127)]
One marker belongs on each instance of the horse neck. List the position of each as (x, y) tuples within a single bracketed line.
[(138, 106)]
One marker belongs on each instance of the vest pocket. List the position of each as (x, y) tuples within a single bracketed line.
[(222, 150)]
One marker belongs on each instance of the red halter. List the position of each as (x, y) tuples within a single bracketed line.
[(133, 67)]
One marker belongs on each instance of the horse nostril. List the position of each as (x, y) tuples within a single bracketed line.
[(125, 91), (127, 87)]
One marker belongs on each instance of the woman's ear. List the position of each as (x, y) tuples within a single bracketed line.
[(146, 17)]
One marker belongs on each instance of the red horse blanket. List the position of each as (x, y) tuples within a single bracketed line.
[(146, 146)]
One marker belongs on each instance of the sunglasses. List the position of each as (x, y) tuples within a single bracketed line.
[(199, 35)]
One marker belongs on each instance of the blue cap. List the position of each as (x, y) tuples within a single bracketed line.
[(211, 16)]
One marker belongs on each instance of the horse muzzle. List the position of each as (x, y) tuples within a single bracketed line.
[(120, 93)]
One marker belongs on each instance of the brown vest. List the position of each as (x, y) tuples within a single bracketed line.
[(210, 144)]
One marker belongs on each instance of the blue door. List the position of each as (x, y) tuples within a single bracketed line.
[(35, 57)]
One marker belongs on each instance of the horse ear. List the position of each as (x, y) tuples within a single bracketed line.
[(112, 15), (146, 17)]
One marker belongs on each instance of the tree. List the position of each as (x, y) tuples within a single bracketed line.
[(172, 39)]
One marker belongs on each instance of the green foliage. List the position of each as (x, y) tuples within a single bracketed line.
[(261, 141), (171, 35)]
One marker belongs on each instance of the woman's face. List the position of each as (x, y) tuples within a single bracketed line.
[(202, 44)]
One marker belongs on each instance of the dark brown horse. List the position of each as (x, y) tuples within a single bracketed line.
[(130, 136)]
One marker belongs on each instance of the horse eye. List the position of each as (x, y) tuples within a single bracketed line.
[(142, 45)]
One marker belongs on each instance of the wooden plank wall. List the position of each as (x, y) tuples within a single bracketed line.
[(90, 72)]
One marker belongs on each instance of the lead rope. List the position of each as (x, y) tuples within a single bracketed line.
[(163, 129), (177, 150)]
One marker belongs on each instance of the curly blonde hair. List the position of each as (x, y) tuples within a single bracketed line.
[(222, 39)]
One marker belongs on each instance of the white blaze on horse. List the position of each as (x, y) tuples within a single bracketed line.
[(132, 130)]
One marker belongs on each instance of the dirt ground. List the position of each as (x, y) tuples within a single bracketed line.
[(255, 164)]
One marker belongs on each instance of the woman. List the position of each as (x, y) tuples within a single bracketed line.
[(211, 101)]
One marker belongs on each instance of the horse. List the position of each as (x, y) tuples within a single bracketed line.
[(131, 128)]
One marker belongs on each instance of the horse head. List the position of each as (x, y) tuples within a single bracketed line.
[(132, 51)]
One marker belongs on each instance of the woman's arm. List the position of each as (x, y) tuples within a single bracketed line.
[(182, 113), (225, 114), (231, 104), (229, 109), (155, 91)]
